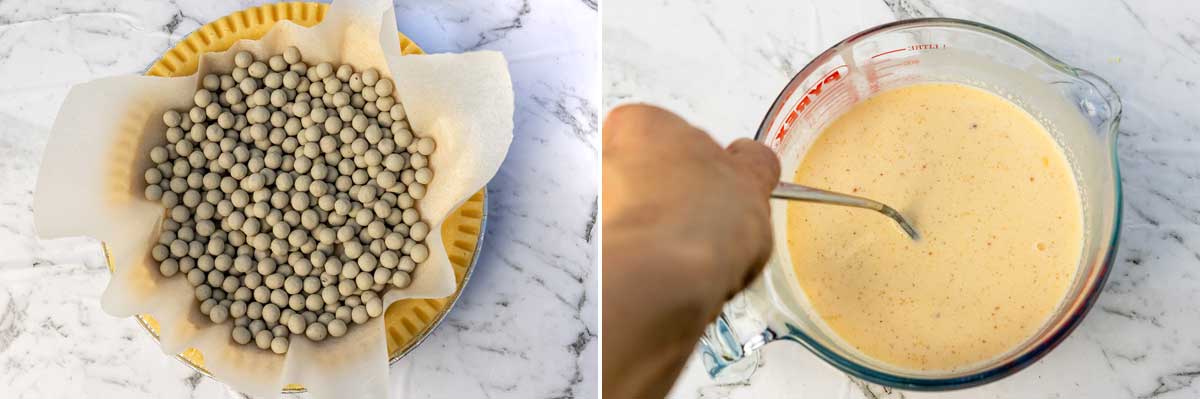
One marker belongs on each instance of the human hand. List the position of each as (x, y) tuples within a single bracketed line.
[(686, 225)]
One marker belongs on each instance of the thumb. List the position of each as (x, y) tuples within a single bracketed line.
[(756, 162)]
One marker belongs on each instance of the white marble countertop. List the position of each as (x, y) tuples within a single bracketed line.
[(526, 327), (722, 63)]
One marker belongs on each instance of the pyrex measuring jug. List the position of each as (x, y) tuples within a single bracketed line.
[(1078, 108)]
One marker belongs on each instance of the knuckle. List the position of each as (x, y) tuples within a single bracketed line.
[(627, 113)]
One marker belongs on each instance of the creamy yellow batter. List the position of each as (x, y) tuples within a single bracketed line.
[(993, 198)]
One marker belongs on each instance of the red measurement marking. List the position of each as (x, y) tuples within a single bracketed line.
[(915, 47), (888, 52), (934, 46), (889, 64), (833, 76)]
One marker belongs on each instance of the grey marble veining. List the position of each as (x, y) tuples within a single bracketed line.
[(526, 327), (722, 63)]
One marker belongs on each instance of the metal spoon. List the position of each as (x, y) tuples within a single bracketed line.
[(790, 191)]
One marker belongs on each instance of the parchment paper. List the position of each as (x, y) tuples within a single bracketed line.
[(91, 183)]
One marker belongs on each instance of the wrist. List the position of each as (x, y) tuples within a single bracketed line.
[(680, 277), (652, 325)]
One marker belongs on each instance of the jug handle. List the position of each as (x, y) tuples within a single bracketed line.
[(728, 355)]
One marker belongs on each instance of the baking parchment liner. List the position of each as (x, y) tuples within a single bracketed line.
[(91, 183)]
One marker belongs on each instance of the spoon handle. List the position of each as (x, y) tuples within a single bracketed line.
[(796, 192)]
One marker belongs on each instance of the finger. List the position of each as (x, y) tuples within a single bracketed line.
[(755, 250), (757, 161), (762, 253), (616, 123)]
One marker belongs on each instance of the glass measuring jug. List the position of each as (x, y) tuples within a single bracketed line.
[(1078, 108)]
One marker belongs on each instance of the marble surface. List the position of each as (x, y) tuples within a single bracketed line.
[(722, 63), (526, 327)]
